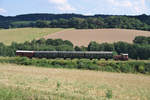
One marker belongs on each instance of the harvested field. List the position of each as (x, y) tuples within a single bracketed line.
[(65, 84), (83, 37)]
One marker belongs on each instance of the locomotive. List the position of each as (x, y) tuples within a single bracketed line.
[(71, 54)]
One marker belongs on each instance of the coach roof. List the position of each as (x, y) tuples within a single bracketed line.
[(91, 52), (24, 51)]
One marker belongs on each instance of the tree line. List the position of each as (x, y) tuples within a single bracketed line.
[(140, 49), (76, 21)]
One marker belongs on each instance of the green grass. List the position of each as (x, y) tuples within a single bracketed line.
[(22, 22), (33, 83), (7, 36)]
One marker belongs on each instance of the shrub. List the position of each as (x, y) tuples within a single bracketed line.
[(93, 67), (124, 67), (108, 68), (109, 94), (147, 68), (113, 66), (141, 69), (58, 86)]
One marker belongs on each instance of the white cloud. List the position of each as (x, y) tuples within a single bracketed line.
[(58, 1), (2, 10), (140, 6), (62, 5), (135, 6), (124, 3)]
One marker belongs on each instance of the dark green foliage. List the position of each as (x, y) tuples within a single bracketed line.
[(93, 46), (147, 68), (66, 42), (121, 47), (143, 51), (107, 47), (77, 48), (142, 40)]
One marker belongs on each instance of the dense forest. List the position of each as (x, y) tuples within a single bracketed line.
[(140, 49), (141, 22)]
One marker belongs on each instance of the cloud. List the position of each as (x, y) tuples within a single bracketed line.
[(58, 1), (124, 3), (2, 10), (62, 5), (135, 6)]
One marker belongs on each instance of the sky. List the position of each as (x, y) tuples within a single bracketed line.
[(85, 7)]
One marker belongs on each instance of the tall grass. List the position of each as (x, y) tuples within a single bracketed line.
[(17, 93), (19, 82), (10, 93)]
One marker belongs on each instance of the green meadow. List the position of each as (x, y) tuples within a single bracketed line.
[(20, 35)]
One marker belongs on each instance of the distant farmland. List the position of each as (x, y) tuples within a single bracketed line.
[(7, 36), (76, 36), (84, 36)]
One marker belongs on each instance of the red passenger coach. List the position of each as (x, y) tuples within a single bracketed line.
[(29, 54)]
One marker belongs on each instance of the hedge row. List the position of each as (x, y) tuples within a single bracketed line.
[(110, 66)]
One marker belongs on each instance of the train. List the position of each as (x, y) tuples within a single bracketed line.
[(71, 54)]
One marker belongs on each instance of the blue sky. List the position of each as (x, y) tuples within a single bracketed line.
[(86, 7)]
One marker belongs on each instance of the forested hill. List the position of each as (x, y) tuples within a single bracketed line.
[(34, 17), (141, 22)]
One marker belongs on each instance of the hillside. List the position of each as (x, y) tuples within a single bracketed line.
[(78, 21), (63, 84), (46, 16), (82, 37), (20, 35)]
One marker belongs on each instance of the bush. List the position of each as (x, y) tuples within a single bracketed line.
[(141, 69), (124, 67), (109, 94), (109, 69), (147, 68)]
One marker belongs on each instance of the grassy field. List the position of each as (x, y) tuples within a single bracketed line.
[(25, 34), (30, 83), (82, 37)]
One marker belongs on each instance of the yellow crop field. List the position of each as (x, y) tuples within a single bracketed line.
[(71, 84)]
